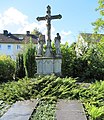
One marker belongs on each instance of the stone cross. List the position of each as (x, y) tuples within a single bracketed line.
[(48, 18)]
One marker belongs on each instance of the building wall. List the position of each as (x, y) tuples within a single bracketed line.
[(10, 49)]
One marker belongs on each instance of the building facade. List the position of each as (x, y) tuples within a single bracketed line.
[(12, 44)]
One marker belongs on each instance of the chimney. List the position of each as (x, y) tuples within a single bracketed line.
[(27, 32), (5, 32)]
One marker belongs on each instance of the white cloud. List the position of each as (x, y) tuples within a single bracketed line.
[(12, 15), (66, 36), (66, 33), (16, 22), (11, 19)]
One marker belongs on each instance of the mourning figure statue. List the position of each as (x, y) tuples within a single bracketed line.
[(40, 45), (57, 45)]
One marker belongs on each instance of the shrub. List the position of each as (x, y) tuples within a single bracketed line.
[(52, 88), (39, 87), (20, 70), (68, 58), (29, 60), (93, 100), (94, 67), (7, 68), (89, 66)]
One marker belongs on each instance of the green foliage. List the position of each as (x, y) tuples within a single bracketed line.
[(14, 91), (50, 88), (25, 62), (88, 67), (29, 59), (40, 87), (36, 32), (68, 57), (99, 23), (45, 111), (93, 99), (101, 49), (94, 58), (20, 70), (101, 6), (3, 107), (7, 68), (96, 113), (53, 49)]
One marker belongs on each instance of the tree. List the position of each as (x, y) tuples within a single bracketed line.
[(29, 59), (99, 23), (36, 32), (20, 70)]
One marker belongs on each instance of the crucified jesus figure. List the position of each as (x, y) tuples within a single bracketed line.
[(48, 18)]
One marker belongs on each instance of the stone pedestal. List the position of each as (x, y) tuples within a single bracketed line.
[(48, 65)]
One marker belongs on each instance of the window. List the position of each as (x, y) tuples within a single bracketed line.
[(0, 47), (9, 47), (20, 37), (18, 47)]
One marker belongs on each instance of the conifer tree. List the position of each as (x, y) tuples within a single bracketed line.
[(29, 59), (20, 70)]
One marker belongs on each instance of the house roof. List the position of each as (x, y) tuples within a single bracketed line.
[(18, 38), (91, 37)]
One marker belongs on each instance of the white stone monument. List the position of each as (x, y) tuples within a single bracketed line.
[(49, 64), (40, 45)]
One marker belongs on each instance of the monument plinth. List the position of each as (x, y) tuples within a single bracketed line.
[(49, 64)]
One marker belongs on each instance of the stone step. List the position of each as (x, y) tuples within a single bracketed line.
[(70, 110), (21, 110)]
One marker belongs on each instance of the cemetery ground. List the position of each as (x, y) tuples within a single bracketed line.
[(48, 90)]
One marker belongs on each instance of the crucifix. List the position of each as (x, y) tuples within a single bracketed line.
[(48, 18)]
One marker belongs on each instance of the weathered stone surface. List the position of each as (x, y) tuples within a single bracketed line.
[(70, 110), (48, 65), (48, 18), (57, 41), (21, 110)]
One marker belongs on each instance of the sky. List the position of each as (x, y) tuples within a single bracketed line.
[(19, 16)]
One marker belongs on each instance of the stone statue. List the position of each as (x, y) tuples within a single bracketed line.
[(40, 45), (49, 18), (48, 63), (57, 45)]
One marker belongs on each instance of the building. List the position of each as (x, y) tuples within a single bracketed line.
[(12, 44), (86, 40)]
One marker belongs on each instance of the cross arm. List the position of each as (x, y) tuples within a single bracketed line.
[(56, 16), (40, 18)]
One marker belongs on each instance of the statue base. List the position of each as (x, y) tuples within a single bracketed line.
[(49, 65)]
